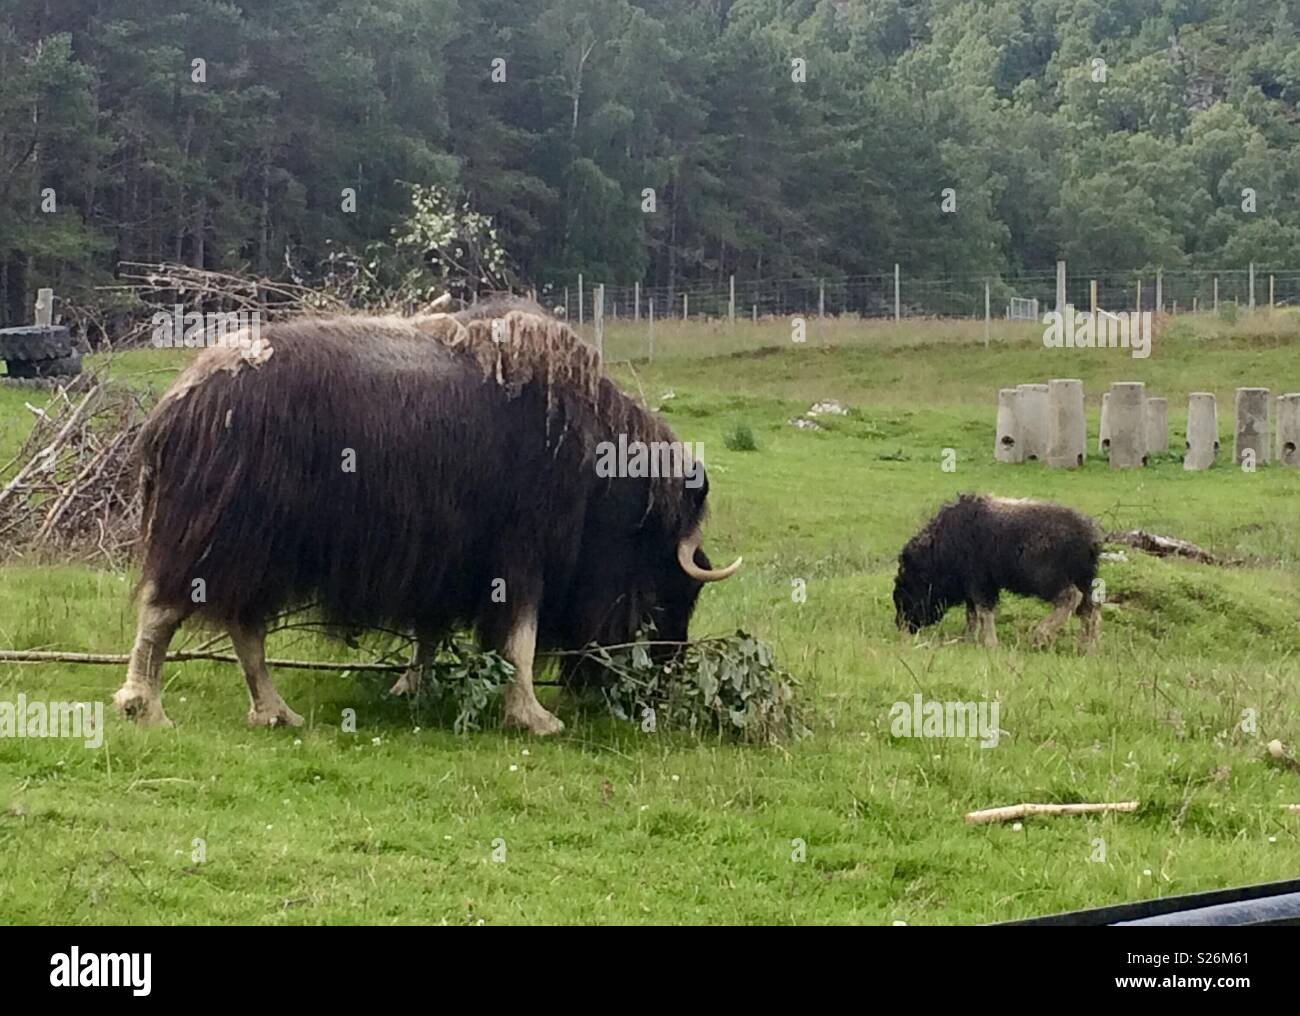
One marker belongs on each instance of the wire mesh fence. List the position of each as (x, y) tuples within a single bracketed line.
[(952, 296)]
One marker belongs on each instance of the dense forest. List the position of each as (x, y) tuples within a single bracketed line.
[(664, 141)]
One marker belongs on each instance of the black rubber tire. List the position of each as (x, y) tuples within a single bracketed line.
[(58, 366), (32, 343)]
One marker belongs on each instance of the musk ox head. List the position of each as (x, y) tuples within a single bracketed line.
[(920, 598), (639, 570)]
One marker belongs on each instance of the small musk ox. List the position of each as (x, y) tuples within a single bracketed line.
[(978, 546), (425, 473)]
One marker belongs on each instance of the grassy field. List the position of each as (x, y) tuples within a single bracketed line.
[(404, 821)]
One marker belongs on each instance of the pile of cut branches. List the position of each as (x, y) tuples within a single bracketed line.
[(71, 489), (162, 287), (728, 684)]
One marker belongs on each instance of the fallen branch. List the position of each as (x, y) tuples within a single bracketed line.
[(121, 660), (1164, 546), (1015, 811)]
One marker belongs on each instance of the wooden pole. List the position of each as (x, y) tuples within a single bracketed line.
[(731, 303), (651, 308), (897, 301), (581, 319), (598, 315), (987, 315), (636, 301)]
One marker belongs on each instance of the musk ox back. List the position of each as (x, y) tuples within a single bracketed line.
[(426, 473), (977, 546), (498, 305)]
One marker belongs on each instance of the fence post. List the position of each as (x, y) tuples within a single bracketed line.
[(1270, 294), (636, 301), (1252, 286), (1060, 286), (1092, 298), (731, 302), (567, 315), (821, 298), (1160, 290), (1216, 300), (44, 308), (652, 328), (598, 315), (685, 306), (987, 314), (1139, 297), (897, 302), (580, 309)]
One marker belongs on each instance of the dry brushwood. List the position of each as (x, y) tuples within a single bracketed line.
[(71, 490), (163, 286), (1164, 546)]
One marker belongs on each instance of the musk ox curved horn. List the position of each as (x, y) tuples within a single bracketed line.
[(686, 558)]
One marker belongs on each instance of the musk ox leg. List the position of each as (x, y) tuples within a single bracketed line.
[(521, 706), (1065, 604), (409, 682), (265, 707), (988, 632), (140, 697), (1090, 625)]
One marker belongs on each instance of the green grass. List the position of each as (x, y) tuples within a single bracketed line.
[(608, 824)]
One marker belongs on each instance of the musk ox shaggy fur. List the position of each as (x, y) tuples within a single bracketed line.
[(423, 473), (498, 305), (978, 546)]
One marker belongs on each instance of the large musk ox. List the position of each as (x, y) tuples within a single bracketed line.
[(978, 546), (424, 473)]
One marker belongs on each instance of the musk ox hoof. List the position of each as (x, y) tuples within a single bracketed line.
[(135, 703), (534, 719), (276, 715)]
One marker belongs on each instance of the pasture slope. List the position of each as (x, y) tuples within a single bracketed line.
[(398, 822)]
